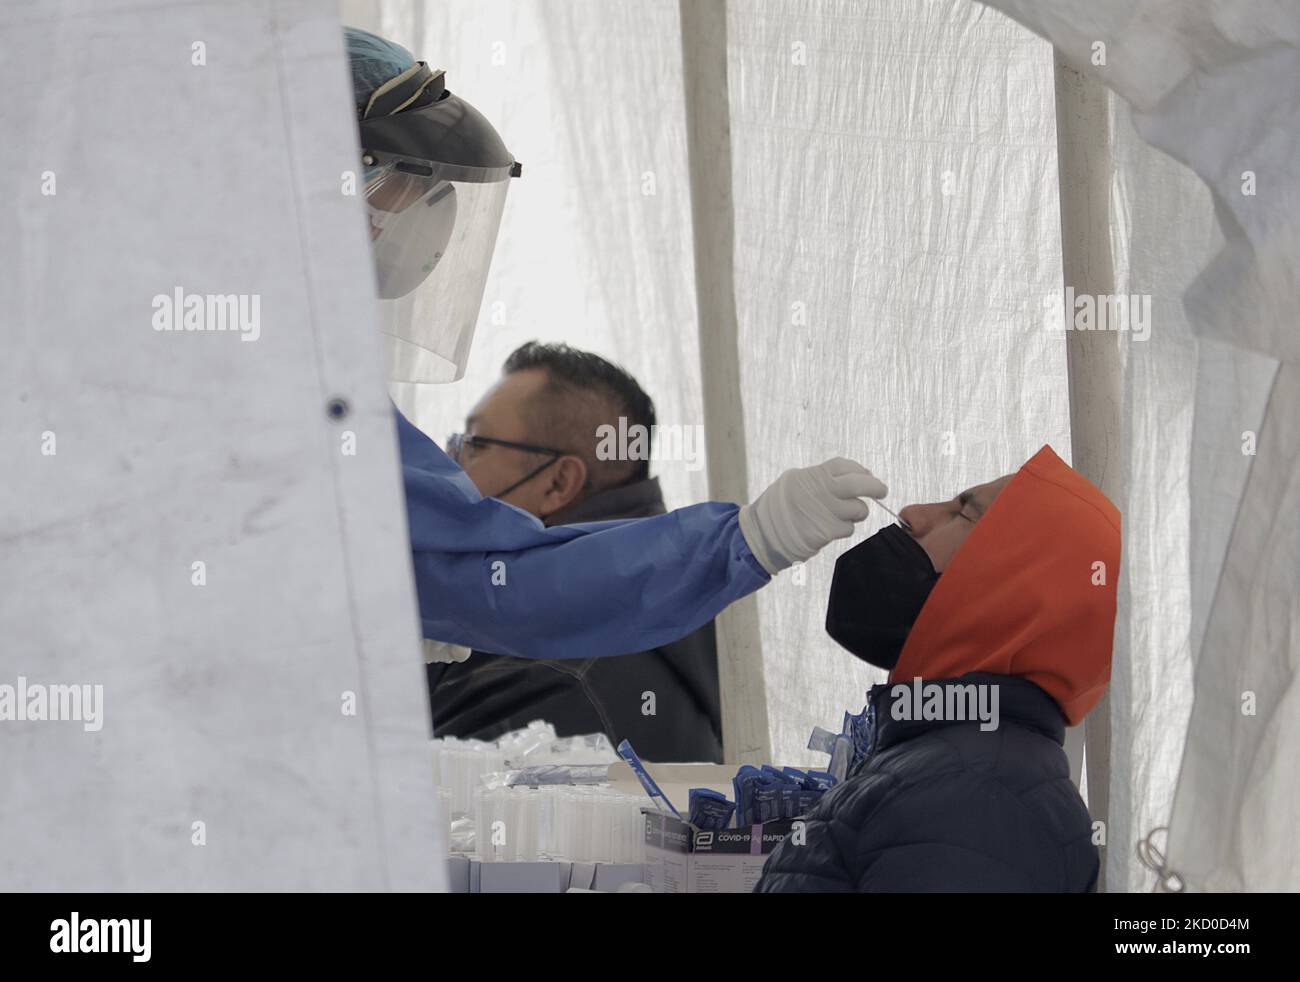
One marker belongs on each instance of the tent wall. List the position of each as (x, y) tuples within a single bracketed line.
[(1151, 683), (1181, 66), (227, 757), (898, 234)]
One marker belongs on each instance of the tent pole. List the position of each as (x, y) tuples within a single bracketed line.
[(745, 735), (1093, 357)]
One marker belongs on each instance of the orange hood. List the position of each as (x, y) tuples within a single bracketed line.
[(1024, 595)]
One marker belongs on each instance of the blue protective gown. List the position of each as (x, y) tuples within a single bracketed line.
[(491, 576)]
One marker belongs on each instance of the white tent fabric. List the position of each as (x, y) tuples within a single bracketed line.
[(895, 201), (898, 232), (264, 724), (1237, 64), (1151, 685)]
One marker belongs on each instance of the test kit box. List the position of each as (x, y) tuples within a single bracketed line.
[(468, 875), (679, 858)]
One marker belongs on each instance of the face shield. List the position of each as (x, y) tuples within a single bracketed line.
[(435, 181)]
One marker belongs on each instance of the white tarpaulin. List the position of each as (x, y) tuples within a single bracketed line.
[(183, 524), (1216, 85)]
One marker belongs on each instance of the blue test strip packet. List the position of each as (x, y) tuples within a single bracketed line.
[(807, 801), (743, 783), (766, 800), (819, 780), (863, 733), (787, 802), (710, 810), (841, 757)]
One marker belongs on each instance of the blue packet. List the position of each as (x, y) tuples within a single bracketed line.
[(796, 803), (787, 791), (709, 809), (743, 784), (765, 800), (841, 757), (862, 731), (808, 800), (819, 781), (771, 773)]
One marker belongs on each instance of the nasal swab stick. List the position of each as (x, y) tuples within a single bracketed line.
[(896, 518)]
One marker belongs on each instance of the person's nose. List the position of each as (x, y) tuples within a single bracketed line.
[(920, 518)]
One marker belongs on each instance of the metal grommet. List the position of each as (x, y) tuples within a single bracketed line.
[(1150, 856), (337, 409)]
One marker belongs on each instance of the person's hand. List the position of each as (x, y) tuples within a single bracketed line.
[(806, 509)]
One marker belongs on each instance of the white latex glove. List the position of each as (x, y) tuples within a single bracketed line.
[(806, 509), (441, 653)]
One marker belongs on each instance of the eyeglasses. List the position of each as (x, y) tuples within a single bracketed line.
[(457, 442)]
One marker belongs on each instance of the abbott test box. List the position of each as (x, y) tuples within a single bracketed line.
[(679, 858)]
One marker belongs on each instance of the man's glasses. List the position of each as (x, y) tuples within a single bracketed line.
[(457, 442)]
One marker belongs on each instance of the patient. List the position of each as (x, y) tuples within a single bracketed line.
[(532, 442), (1006, 592)]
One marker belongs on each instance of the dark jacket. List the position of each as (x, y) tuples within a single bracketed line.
[(944, 806), (488, 695)]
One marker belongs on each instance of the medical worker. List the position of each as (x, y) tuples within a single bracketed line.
[(489, 575)]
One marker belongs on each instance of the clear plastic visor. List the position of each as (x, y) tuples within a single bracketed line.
[(432, 237)]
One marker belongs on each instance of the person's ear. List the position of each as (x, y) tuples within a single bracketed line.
[(566, 482)]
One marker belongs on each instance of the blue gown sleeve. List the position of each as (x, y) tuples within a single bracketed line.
[(493, 577)]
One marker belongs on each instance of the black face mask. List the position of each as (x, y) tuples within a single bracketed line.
[(877, 593)]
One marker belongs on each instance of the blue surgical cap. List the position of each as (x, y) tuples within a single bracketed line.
[(375, 60)]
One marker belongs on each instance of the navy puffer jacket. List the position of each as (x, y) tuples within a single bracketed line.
[(946, 806)]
